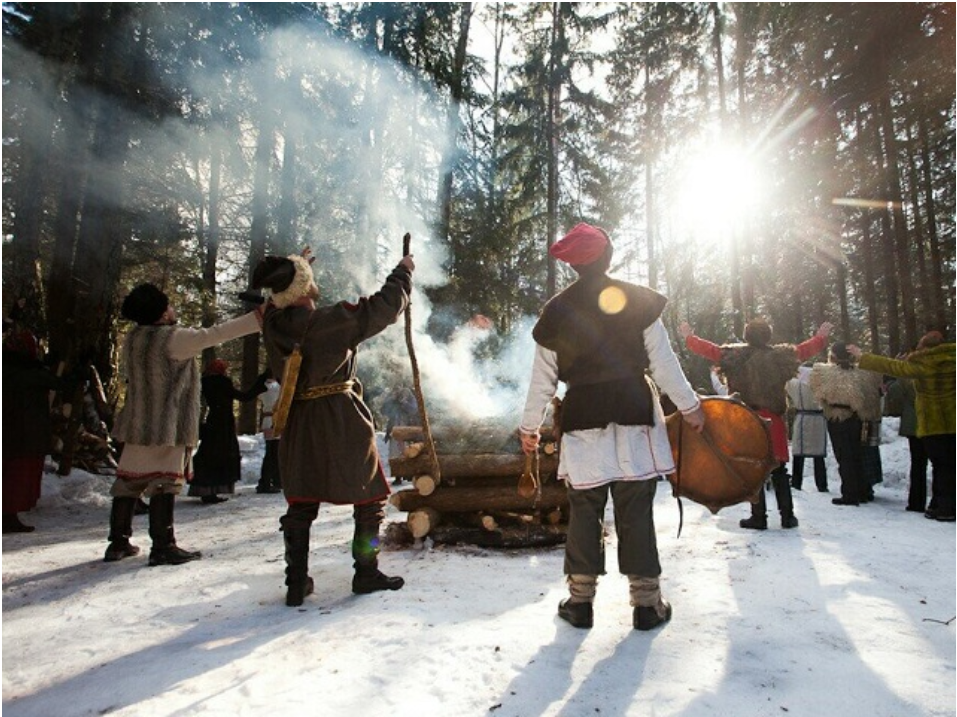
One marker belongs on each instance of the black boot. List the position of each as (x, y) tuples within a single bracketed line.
[(649, 617), (165, 551), (577, 614), (782, 491), (759, 515), (365, 552), (298, 582), (121, 528)]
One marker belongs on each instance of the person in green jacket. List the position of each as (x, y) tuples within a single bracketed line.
[(932, 366)]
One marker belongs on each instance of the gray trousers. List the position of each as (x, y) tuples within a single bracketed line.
[(633, 503)]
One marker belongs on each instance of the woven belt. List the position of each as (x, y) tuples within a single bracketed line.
[(308, 394)]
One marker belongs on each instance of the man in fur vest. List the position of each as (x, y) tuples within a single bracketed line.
[(850, 398), (159, 421), (600, 336), (758, 371), (327, 449)]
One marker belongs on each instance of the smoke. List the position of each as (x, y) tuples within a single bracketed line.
[(370, 141)]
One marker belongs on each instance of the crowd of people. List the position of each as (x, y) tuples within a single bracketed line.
[(604, 339)]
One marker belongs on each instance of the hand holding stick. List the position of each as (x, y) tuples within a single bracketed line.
[(416, 379)]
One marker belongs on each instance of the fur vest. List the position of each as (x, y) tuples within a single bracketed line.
[(759, 374), (162, 395), (843, 392)]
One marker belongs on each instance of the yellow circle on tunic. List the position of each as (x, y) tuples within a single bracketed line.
[(612, 300)]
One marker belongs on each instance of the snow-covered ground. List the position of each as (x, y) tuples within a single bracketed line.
[(850, 614)]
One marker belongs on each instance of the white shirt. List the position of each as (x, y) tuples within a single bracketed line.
[(596, 456)]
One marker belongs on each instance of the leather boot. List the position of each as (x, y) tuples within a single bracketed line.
[(782, 491), (577, 614), (298, 582), (164, 550), (759, 515), (365, 552), (121, 528)]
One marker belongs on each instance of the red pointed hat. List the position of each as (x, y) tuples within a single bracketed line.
[(582, 245)]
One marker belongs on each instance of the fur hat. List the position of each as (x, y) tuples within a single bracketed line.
[(287, 278), (144, 305), (757, 332)]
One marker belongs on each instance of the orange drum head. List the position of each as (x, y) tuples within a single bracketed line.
[(727, 463)]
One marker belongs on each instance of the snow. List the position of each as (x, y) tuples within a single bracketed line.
[(850, 614)]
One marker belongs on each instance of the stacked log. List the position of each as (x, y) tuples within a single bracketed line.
[(477, 501)]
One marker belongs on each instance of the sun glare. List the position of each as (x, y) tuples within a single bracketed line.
[(716, 191)]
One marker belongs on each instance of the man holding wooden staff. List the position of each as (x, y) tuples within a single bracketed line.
[(327, 451), (599, 336)]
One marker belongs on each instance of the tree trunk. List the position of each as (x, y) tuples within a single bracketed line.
[(888, 254), (552, 139), (104, 226), (907, 299), (920, 242), (258, 235), (454, 122), (288, 206), (737, 302), (941, 311), (74, 170)]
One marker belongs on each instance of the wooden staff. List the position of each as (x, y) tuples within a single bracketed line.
[(417, 381)]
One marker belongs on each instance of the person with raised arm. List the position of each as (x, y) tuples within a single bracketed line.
[(758, 371)]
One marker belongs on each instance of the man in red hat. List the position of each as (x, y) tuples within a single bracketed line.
[(599, 337)]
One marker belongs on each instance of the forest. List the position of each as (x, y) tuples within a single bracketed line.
[(788, 160)]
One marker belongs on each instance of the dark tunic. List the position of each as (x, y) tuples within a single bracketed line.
[(216, 465), (596, 327), (327, 451)]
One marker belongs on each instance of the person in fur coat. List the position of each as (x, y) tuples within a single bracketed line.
[(849, 397), (159, 421), (757, 371), (327, 452), (932, 366)]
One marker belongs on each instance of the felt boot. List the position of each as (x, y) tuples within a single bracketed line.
[(298, 583), (164, 550), (121, 528), (782, 491), (365, 552)]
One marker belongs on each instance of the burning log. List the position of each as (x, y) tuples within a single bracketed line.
[(479, 464), (466, 500)]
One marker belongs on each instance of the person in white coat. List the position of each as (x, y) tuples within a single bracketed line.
[(808, 431), (599, 337)]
